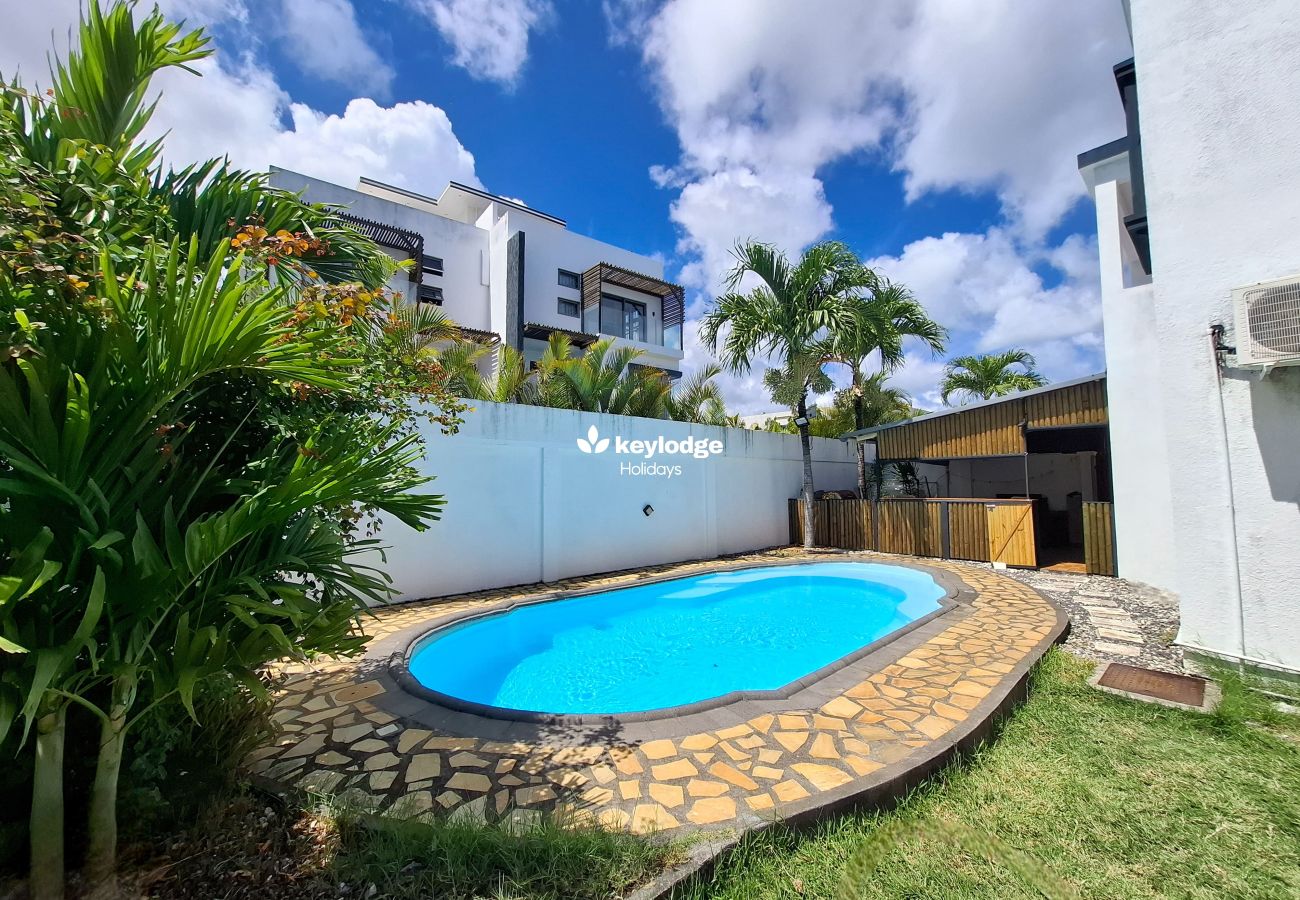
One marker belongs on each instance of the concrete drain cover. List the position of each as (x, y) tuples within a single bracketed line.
[(1183, 691)]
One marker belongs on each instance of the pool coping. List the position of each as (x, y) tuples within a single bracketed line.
[(884, 789), (395, 662), (348, 727)]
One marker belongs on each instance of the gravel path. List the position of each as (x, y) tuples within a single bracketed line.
[(1111, 619)]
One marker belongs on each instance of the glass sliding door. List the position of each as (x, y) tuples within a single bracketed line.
[(622, 318)]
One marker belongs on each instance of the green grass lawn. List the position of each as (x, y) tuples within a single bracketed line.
[(1082, 793), (1102, 797)]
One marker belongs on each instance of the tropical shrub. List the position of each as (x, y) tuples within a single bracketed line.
[(202, 412), (603, 378)]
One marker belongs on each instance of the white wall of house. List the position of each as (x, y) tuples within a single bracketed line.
[(1219, 92), (549, 248), (1144, 522), (524, 504), (475, 284), (461, 247)]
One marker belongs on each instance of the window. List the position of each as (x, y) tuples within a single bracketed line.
[(622, 318), (432, 265), (568, 307), (429, 294), (570, 279)]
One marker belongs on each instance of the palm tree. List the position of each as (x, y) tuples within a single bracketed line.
[(891, 314), (600, 380), (510, 381), (988, 376), (794, 381), (155, 538), (699, 399), (792, 312)]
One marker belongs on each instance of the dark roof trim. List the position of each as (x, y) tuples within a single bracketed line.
[(672, 295), (543, 332), (409, 242), (1018, 395), (1125, 76), (510, 203), (1096, 155), (469, 190), (398, 190)]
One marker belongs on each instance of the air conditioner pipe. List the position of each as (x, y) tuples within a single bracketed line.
[(1217, 351)]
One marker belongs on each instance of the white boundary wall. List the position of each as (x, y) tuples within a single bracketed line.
[(524, 504)]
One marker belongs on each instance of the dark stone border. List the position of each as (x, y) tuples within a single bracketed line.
[(957, 594), (886, 787)]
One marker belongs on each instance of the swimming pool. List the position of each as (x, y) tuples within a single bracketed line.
[(672, 643)]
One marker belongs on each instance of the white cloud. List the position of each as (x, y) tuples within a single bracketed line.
[(1004, 94), (325, 40), (986, 291), (489, 38), (408, 144), (743, 392), (995, 97), (982, 284), (787, 209), (238, 109)]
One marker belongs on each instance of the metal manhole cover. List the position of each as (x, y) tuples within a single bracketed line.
[(1185, 689)]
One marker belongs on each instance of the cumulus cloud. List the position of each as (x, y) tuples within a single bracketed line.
[(981, 283), (993, 297), (990, 98), (408, 144), (1002, 95), (489, 38), (325, 40), (787, 209), (238, 109)]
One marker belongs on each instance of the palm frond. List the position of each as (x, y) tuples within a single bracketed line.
[(990, 375)]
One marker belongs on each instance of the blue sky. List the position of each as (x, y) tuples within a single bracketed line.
[(935, 137)]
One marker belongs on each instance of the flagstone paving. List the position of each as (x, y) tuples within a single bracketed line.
[(727, 768)]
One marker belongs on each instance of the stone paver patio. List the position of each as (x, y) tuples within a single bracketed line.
[(871, 729)]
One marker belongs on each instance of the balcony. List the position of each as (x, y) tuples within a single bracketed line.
[(623, 318)]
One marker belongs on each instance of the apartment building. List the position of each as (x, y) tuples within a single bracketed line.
[(506, 272)]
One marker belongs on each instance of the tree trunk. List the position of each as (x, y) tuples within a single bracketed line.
[(805, 444), (46, 828), (858, 417), (101, 853)]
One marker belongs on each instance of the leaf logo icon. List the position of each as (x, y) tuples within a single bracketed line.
[(593, 442)]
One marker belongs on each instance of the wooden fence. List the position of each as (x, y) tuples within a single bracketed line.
[(986, 530), (1099, 538)]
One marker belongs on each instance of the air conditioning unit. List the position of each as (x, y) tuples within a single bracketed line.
[(1268, 323)]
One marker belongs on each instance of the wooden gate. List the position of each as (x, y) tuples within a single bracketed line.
[(1099, 538), (984, 530), (1011, 534)]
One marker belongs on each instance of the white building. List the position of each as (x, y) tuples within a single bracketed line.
[(499, 268), (1206, 446)]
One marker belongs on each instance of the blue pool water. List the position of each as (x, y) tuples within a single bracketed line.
[(675, 642)]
